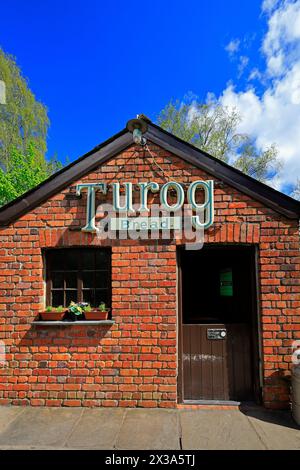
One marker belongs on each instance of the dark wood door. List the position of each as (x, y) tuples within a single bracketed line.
[(217, 294), (216, 369), (204, 364)]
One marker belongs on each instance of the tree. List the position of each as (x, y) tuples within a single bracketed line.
[(22, 173), (23, 119), (213, 128), (23, 132)]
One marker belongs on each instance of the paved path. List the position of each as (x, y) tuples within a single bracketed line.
[(117, 428)]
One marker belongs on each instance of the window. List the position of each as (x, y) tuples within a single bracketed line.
[(81, 275)]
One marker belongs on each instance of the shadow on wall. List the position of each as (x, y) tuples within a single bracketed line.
[(63, 352), (65, 337)]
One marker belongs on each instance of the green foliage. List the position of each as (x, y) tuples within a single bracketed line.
[(75, 308), (260, 165), (213, 128), (23, 131), (50, 309), (22, 173), (102, 307), (23, 119), (87, 308)]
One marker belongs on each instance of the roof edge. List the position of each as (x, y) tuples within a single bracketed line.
[(262, 192), (59, 180), (279, 202)]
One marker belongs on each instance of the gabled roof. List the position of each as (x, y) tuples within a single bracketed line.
[(278, 201)]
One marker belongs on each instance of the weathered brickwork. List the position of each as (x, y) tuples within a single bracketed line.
[(134, 362)]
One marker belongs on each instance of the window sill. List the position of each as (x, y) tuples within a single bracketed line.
[(70, 323)]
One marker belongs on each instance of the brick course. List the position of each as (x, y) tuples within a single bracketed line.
[(134, 362)]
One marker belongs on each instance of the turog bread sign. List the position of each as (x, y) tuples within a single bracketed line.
[(202, 215)]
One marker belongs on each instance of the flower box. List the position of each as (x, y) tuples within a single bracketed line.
[(52, 316), (96, 315)]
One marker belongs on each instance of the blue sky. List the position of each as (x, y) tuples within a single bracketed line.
[(97, 64)]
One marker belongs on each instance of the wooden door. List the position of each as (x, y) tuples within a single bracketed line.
[(216, 367), (217, 335), (204, 364)]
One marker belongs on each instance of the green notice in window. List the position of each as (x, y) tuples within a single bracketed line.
[(226, 287)]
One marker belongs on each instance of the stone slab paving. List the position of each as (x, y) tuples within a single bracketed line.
[(40, 427), (218, 429), (277, 430), (153, 429), (97, 429), (8, 415), (149, 429)]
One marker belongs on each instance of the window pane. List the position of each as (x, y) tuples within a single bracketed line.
[(88, 278), (71, 295), (71, 258), (101, 296), (102, 258), (66, 266), (88, 296), (88, 259), (102, 278), (71, 279), (57, 261), (57, 298), (57, 279)]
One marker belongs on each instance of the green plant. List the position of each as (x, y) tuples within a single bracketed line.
[(87, 308), (102, 307), (49, 308), (60, 308), (75, 308)]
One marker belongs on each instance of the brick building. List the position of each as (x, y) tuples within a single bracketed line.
[(210, 325)]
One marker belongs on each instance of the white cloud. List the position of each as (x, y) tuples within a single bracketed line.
[(233, 46), (281, 44), (273, 116), (255, 74), (243, 62), (269, 5)]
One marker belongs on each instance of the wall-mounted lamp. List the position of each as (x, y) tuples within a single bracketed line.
[(138, 127)]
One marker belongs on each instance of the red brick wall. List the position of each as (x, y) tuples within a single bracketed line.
[(134, 362)]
